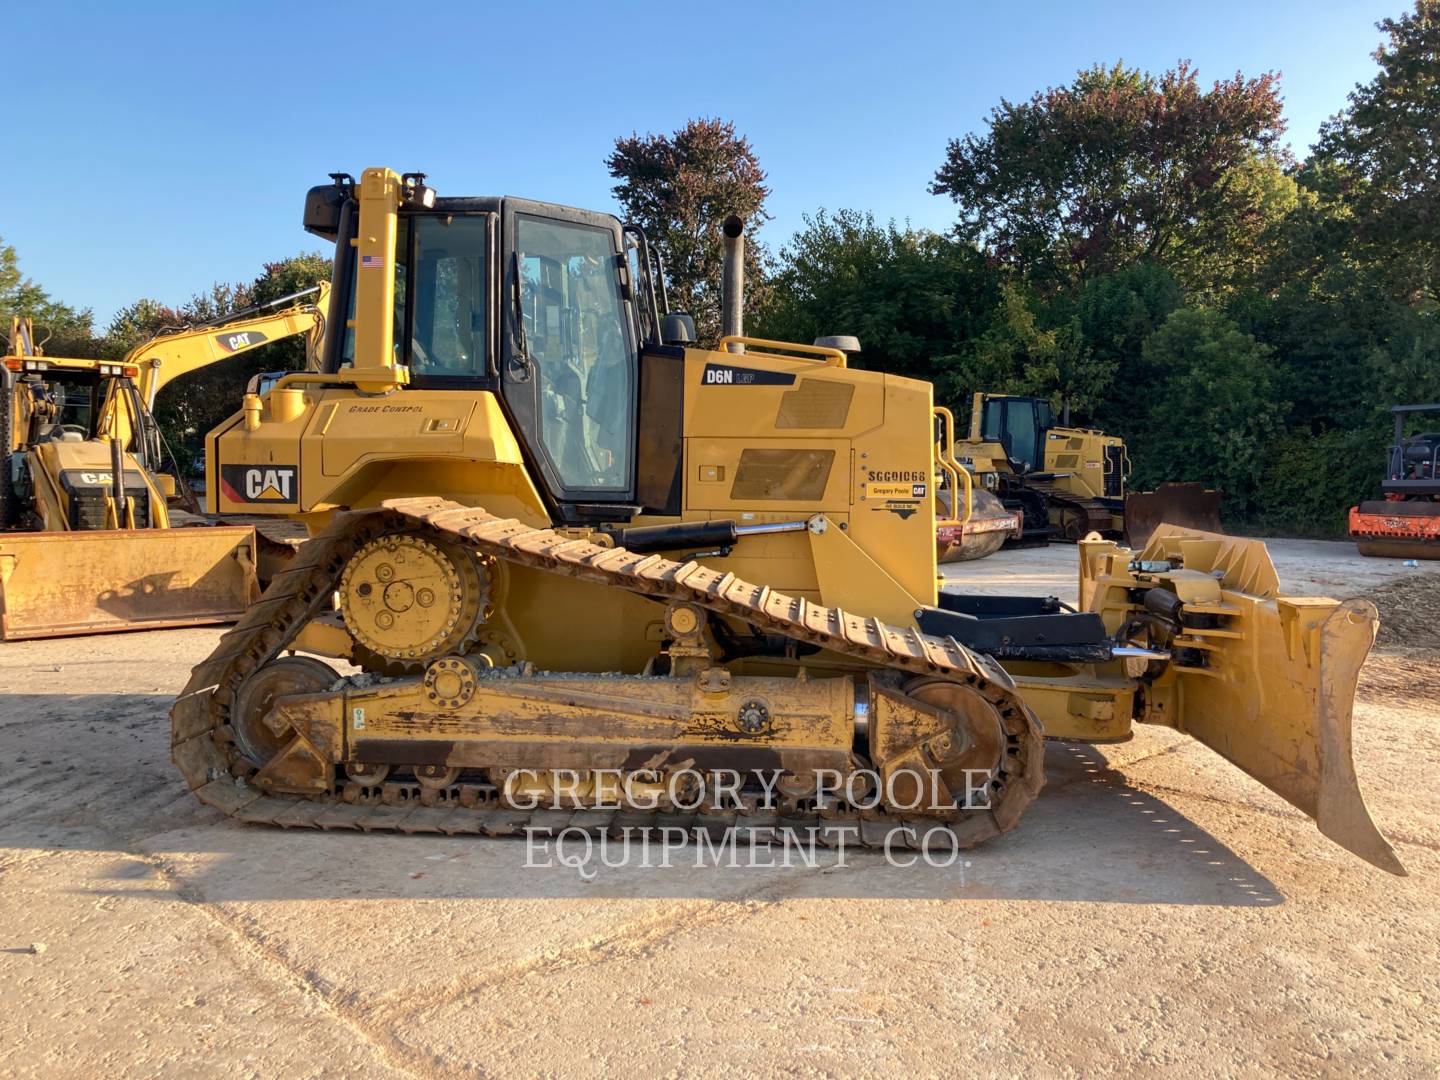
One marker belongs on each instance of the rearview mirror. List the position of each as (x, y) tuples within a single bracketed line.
[(677, 328)]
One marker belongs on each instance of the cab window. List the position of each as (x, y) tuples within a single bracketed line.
[(448, 321), (61, 405), (1020, 427), (441, 299), (577, 334)]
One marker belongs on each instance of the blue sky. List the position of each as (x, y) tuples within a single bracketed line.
[(160, 146)]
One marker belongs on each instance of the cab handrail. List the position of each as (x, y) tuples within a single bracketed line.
[(833, 357), (959, 475)]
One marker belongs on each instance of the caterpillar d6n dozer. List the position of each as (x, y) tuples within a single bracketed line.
[(597, 577), (88, 543)]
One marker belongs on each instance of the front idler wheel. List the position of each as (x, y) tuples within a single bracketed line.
[(257, 740)]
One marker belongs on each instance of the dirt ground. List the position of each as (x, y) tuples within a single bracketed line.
[(1156, 911)]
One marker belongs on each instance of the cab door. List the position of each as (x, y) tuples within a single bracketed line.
[(569, 366)]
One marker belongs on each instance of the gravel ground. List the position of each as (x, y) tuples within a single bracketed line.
[(1156, 912)]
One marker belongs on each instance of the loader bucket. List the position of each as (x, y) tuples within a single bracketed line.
[(1277, 688), (1191, 506), (58, 584)]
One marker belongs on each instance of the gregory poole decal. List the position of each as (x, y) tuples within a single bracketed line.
[(894, 491), (898, 491), (260, 483)]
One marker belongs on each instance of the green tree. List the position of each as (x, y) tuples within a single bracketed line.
[(138, 322), (910, 296), (1112, 316), (1121, 166), (1341, 335), (67, 329), (1015, 354), (1216, 412), (1385, 150), (679, 188), (290, 276)]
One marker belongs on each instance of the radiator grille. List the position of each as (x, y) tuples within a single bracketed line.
[(815, 403), (1114, 472), (775, 475)]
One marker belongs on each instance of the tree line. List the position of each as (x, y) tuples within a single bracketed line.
[(1139, 248)]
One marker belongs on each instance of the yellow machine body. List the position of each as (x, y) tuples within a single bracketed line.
[(794, 619)]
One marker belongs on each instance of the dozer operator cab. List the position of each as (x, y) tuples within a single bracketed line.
[(548, 307), (1035, 444), (1019, 424)]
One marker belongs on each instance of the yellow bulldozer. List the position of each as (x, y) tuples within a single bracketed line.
[(596, 577), (89, 542), (1067, 482)]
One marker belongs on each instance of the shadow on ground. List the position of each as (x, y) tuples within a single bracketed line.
[(92, 773)]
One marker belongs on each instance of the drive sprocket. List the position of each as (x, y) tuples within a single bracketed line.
[(407, 599)]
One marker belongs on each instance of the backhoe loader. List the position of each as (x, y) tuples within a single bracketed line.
[(90, 544), (597, 577), (1070, 481)]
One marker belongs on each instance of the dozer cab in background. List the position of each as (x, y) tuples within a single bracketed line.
[(1405, 523), (89, 542), (611, 579), (1069, 481)]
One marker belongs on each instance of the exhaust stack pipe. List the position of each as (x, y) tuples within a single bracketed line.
[(732, 280)]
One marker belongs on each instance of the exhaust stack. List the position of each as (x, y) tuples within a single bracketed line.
[(732, 281)]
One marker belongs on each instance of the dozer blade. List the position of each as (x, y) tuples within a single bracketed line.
[(1276, 690), (1190, 506), (57, 584)]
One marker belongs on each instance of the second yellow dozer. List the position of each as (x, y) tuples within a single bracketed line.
[(88, 540), (1067, 482), (595, 577)]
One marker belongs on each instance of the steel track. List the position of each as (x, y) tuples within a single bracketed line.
[(204, 749)]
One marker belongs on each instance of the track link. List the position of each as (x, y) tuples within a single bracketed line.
[(1094, 515), (204, 749)]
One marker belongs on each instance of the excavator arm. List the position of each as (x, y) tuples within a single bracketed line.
[(166, 358)]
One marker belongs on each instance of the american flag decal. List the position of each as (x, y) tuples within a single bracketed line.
[(376, 261)]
